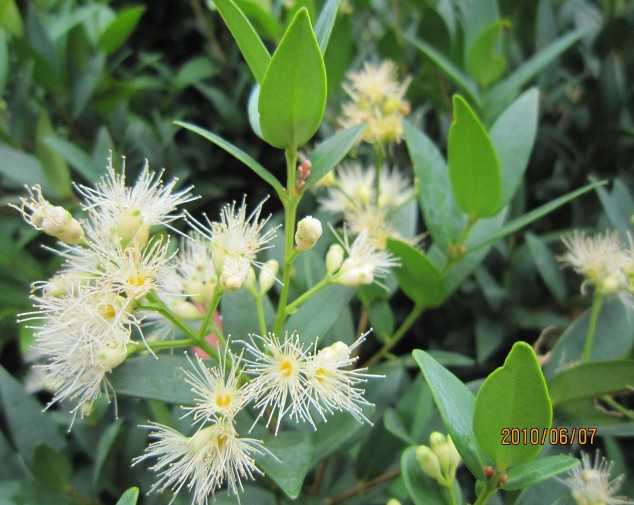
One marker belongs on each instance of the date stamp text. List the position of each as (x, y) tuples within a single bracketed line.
[(543, 436)]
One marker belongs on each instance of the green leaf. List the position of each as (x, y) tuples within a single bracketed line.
[(455, 403), (574, 390), (538, 470), (513, 136), (443, 217), (417, 276), (513, 397), (121, 27), (474, 169), (329, 303), (20, 168), (325, 23), (294, 453), (505, 91), (27, 425), (618, 205), (293, 92), (86, 83), (614, 335), (249, 42), (194, 70), (55, 167), (261, 13), (547, 267), (331, 151), (51, 468), (83, 164), (106, 441), (454, 73), (130, 497), (377, 451), (10, 18), (484, 62), (153, 379), (239, 314), (237, 153), (422, 489), (529, 217), (4, 62)]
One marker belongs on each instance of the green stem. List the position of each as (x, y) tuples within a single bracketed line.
[(489, 491), (300, 300), (460, 243), (628, 414), (451, 494), (207, 326), (594, 316), (389, 343), (168, 344), (290, 214)]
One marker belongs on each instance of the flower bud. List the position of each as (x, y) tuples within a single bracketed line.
[(334, 258), (353, 275), (267, 275), (234, 273), (393, 501), (428, 462), (610, 285), (128, 225), (200, 291), (112, 355), (308, 232), (185, 310)]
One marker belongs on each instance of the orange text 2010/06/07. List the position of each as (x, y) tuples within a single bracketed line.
[(543, 436)]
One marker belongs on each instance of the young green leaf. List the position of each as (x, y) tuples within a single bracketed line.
[(325, 23), (513, 136), (249, 42), (130, 497), (121, 27), (443, 217), (538, 470), (237, 153), (547, 267), (51, 468), (54, 165), (513, 397), (293, 92), (474, 169), (331, 151), (455, 403), (419, 279), (484, 62)]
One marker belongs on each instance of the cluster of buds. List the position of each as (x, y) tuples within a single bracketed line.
[(440, 460), (303, 171)]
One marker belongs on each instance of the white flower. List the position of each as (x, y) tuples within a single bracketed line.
[(592, 484), (217, 390), (333, 385), (267, 275), (365, 262), (354, 186), (128, 212), (235, 240), (195, 269), (394, 188), (279, 385), (213, 456)]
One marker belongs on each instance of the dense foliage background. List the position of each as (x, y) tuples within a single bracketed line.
[(79, 79)]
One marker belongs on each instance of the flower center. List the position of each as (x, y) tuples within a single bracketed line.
[(286, 368)]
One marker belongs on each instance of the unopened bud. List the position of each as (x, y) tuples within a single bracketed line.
[(128, 225), (393, 501), (111, 356), (334, 258), (610, 285), (200, 291), (353, 275), (267, 275), (185, 310), (428, 462), (308, 232), (234, 273)]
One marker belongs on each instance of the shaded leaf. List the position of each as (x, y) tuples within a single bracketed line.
[(120, 29)]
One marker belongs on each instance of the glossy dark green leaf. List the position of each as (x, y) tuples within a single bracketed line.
[(237, 153), (474, 169), (417, 276), (293, 92), (456, 403), (51, 468), (513, 136), (249, 42), (574, 390), (27, 425), (294, 453), (120, 28), (513, 396), (331, 151), (130, 497), (538, 470), (443, 217), (153, 379)]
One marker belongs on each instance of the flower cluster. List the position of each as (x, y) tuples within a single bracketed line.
[(368, 200), (592, 483), (377, 99), (606, 264), (288, 381)]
